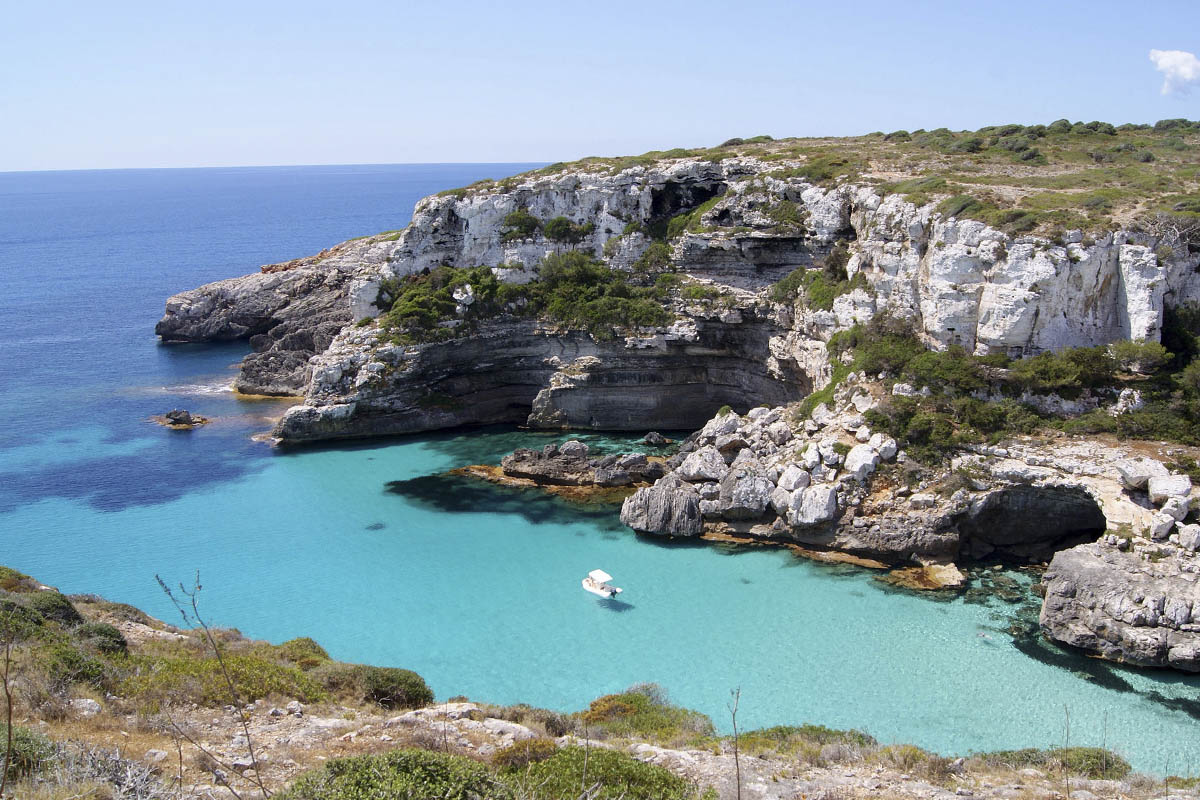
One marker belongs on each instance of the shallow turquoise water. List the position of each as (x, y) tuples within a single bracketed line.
[(477, 588)]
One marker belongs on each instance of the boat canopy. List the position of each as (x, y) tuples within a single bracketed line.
[(600, 576)]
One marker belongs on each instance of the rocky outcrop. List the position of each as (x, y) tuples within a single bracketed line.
[(670, 507), (570, 465), (289, 313), (1126, 603), (519, 371)]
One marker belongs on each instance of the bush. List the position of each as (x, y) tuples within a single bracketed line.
[(399, 775), (656, 258), (303, 652), (787, 738), (102, 637), (54, 606), (391, 687), (521, 754), (643, 712), (618, 774), (31, 751), (518, 225), (67, 665), (1066, 373), (1143, 357), (198, 679), (561, 229), (1090, 762)]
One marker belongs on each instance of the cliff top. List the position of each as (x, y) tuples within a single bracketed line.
[(1022, 178)]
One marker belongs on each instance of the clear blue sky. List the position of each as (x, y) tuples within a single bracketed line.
[(151, 84)]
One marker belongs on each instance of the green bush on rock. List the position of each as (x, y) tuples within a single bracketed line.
[(391, 687), (399, 775)]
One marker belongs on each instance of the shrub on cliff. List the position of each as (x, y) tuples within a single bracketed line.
[(618, 775), (520, 224), (523, 753), (1142, 356), (303, 652), (30, 751), (561, 229), (391, 687), (656, 258), (54, 606), (643, 711), (102, 638), (399, 774), (1090, 762), (579, 291)]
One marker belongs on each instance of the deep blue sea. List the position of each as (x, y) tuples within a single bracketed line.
[(368, 550)]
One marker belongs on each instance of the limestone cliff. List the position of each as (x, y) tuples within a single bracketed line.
[(751, 223)]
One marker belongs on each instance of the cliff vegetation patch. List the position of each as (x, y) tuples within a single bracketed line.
[(573, 289)]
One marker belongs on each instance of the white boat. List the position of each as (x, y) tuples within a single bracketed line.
[(596, 582)]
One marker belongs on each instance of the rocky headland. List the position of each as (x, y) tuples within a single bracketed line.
[(974, 342)]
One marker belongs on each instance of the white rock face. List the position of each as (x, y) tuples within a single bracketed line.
[(793, 478), (813, 505), (1163, 487), (884, 445), (1161, 525), (1176, 507), (706, 464), (1135, 472), (861, 461)]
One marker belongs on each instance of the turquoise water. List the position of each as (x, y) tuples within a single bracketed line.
[(477, 588)]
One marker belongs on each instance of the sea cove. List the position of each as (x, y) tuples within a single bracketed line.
[(365, 549)]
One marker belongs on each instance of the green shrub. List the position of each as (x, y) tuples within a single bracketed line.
[(1142, 356), (30, 751), (656, 258), (523, 753), (952, 368), (399, 775), (303, 652), (787, 217), (67, 664), (102, 637), (54, 606), (391, 687), (644, 712), (1090, 762), (520, 224), (13, 581), (619, 775), (153, 679), (780, 737), (1066, 373), (561, 229)]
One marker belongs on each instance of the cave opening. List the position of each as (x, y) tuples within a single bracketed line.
[(1026, 524)]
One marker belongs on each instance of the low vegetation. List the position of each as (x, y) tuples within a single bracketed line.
[(820, 285), (573, 289), (1040, 178), (961, 399)]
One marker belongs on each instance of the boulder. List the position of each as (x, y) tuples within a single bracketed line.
[(1189, 537), (745, 493), (85, 707), (793, 478), (1176, 507), (779, 432), (705, 464), (1124, 607), (861, 461), (179, 416), (813, 506), (884, 445), (1135, 472), (671, 507), (782, 499), (573, 448), (863, 434), (1161, 525), (655, 439), (1162, 487)]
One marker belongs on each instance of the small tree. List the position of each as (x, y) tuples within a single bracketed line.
[(16, 625), (1142, 357)]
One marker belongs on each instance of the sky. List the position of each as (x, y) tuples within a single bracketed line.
[(87, 85)]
